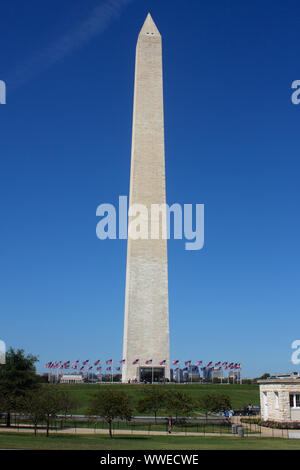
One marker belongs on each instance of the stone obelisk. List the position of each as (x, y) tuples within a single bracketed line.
[(146, 325)]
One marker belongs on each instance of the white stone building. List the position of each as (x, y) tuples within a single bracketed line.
[(280, 399), (71, 379)]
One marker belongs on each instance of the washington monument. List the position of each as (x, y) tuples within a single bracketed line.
[(146, 325)]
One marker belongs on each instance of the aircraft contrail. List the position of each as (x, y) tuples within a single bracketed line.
[(95, 24)]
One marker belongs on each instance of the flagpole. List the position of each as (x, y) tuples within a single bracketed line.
[(112, 371)]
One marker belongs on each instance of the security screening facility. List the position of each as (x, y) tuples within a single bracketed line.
[(280, 399)]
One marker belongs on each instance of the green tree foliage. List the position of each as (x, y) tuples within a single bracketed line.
[(213, 402), (17, 377), (32, 405), (179, 404), (45, 404), (68, 403), (265, 376), (110, 404), (153, 400)]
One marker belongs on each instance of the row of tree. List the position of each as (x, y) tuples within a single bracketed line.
[(112, 404), (21, 392)]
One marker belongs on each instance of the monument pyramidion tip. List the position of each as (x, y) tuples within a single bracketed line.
[(149, 27)]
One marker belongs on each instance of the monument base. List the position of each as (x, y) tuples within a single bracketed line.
[(151, 374)]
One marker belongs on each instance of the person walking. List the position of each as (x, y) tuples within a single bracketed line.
[(170, 424)]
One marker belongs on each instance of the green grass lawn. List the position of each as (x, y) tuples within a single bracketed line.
[(99, 442), (240, 394)]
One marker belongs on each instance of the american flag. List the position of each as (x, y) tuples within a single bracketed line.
[(48, 365), (224, 364), (198, 363), (109, 361), (90, 368), (209, 364), (185, 368), (188, 363), (81, 368), (108, 368), (123, 361), (175, 363), (99, 368), (118, 368), (217, 364), (177, 368), (97, 362), (136, 361), (149, 362), (86, 362), (162, 362)]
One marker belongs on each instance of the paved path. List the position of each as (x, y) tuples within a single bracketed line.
[(261, 431), (85, 431)]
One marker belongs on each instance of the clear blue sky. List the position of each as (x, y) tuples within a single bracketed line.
[(232, 143)]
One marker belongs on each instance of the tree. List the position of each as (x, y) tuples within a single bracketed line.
[(51, 404), (213, 402), (179, 403), (45, 404), (153, 400), (67, 403), (17, 377), (111, 404), (264, 376), (32, 405)]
